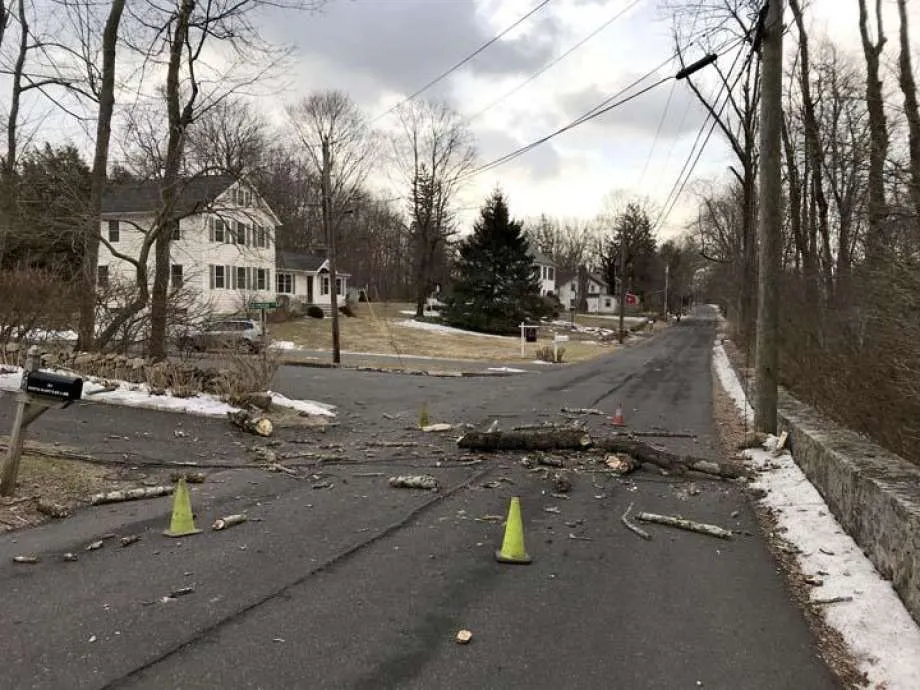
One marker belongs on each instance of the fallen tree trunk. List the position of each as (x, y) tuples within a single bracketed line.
[(679, 464), (555, 439), (578, 440)]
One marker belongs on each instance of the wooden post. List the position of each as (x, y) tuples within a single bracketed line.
[(14, 453)]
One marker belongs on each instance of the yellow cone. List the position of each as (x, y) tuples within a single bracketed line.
[(182, 523), (512, 550)]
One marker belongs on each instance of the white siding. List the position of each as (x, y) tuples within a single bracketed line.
[(197, 254)]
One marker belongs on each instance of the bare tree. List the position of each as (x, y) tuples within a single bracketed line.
[(911, 110), (337, 141), (434, 154), (231, 137), (98, 178), (878, 242)]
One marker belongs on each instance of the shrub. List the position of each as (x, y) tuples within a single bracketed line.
[(346, 310), (245, 377), (315, 312), (545, 354)]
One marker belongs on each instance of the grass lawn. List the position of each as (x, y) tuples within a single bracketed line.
[(376, 329)]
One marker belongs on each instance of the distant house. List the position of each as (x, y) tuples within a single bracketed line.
[(598, 297), (222, 254), (544, 269), (304, 278)]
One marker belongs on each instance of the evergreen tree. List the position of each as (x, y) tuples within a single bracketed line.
[(497, 287)]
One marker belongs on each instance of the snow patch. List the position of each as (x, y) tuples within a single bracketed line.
[(508, 370), (875, 625), (284, 345), (305, 406), (138, 395), (447, 330)]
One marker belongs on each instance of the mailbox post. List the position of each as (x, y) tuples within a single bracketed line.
[(40, 391)]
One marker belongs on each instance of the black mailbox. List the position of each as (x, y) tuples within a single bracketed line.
[(56, 386), (530, 334)]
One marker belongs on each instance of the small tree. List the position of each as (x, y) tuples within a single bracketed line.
[(496, 287)]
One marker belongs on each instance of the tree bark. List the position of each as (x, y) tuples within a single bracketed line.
[(909, 90), (771, 217), (167, 222), (562, 439), (98, 177), (878, 243)]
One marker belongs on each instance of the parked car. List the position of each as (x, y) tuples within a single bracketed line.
[(241, 334)]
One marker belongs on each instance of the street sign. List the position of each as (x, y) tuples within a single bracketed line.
[(561, 338), (264, 305)]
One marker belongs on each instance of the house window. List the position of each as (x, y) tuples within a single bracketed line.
[(607, 302), (550, 273), (218, 277), (218, 230), (240, 233), (176, 233), (102, 276), (261, 236), (285, 283), (339, 285), (175, 276), (324, 285), (241, 282), (114, 231), (262, 279)]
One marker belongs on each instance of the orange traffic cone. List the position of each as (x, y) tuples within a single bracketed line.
[(617, 419)]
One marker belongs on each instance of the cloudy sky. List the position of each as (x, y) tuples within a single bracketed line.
[(380, 51)]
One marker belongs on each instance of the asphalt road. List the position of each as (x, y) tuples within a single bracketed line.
[(364, 586)]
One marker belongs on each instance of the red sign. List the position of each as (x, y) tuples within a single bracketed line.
[(632, 298)]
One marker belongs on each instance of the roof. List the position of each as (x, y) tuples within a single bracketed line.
[(568, 276), (195, 193), (300, 261), (538, 256), (308, 262)]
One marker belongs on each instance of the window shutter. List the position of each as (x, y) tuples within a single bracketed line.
[(210, 228), (211, 276), (232, 279)]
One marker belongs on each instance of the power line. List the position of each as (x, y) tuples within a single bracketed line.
[(602, 108), (555, 61), (678, 188), (605, 106), (664, 115), (465, 60)]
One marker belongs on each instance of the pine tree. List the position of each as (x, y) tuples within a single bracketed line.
[(497, 287)]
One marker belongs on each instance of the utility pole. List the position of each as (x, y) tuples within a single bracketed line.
[(770, 223), (667, 273), (329, 229), (621, 337)]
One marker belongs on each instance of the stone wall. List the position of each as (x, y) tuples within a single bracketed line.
[(874, 494)]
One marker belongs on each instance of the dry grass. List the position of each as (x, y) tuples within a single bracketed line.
[(49, 480), (374, 329)]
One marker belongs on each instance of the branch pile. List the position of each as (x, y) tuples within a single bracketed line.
[(578, 440)]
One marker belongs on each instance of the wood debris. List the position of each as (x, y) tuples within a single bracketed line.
[(440, 426), (228, 521), (624, 518), (130, 494), (584, 410), (831, 600), (132, 539), (417, 481), (26, 560), (251, 423), (689, 525), (52, 510), (622, 463), (464, 637)]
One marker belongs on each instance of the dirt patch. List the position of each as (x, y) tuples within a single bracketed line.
[(832, 648), (53, 486)]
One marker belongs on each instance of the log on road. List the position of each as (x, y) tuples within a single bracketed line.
[(253, 424), (679, 464), (555, 439), (577, 440)]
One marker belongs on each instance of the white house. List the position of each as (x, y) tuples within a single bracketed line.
[(223, 254), (545, 269), (304, 278), (597, 296)]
